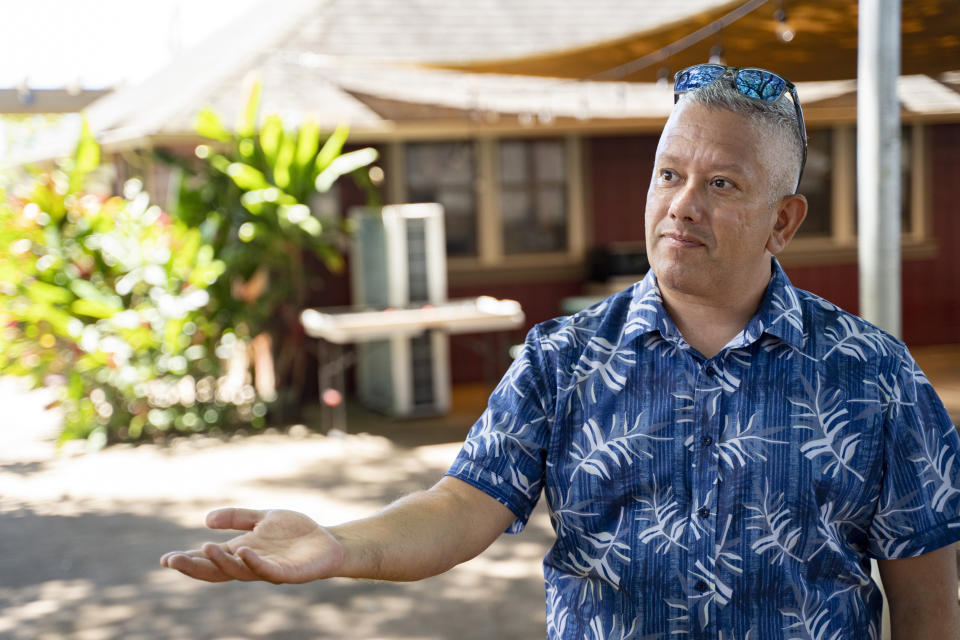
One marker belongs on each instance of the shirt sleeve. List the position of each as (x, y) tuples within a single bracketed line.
[(505, 451), (919, 506)]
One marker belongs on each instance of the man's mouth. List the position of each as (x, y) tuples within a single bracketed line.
[(682, 240)]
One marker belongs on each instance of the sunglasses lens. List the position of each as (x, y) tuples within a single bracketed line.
[(698, 76), (761, 85)]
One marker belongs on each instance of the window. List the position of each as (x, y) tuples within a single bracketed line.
[(533, 197), (906, 183), (509, 203), (830, 185), (817, 184), (445, 172)]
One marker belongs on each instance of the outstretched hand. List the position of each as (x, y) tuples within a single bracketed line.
[(279, 547)]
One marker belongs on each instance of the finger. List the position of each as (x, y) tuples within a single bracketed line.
[(228, 563), (199, 568), (263, 569), (192, 553), (233, 518)]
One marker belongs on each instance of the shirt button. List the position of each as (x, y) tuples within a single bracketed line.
[(706, 441), (711, 371), (701, 586), (703, 512)]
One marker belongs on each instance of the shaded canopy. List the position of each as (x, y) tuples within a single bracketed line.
[(824, 46)]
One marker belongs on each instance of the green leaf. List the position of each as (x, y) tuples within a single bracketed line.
[(271, 136), (343, 165), (247, 122), (88, 291), (93, 309), (44, 293), (307, 143), (332, 147), (281, 169), (208, 125), (85, 158), (246, 177)]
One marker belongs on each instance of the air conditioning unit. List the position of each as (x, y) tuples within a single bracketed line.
[(398, 261)]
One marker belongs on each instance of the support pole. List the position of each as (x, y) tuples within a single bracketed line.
[(878, 162)]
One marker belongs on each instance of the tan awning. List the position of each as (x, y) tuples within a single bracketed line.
[(824, 46)]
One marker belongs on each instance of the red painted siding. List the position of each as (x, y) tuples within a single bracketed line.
[(620, 170)]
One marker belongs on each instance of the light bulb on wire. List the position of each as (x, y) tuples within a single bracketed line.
[(784, 31)]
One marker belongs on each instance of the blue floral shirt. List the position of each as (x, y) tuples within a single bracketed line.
[(736, 497)]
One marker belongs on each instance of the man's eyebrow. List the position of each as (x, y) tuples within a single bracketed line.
[(733, 167)]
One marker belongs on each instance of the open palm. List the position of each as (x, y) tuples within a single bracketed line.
[(279, 546)]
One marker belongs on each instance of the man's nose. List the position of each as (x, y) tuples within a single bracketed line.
[(687, 203)]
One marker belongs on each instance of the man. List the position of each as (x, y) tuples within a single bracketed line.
[(722, 454)]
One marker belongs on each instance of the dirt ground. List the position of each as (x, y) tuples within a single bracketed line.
[(81, 535)]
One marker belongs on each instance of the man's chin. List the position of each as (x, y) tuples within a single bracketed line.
[(683, 276)]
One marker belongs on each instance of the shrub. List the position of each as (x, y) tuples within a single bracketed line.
[(104, 294)]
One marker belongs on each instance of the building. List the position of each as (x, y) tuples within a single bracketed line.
[(544, 178)]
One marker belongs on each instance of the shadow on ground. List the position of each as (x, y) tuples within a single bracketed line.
[(81, 537), (96, 576)]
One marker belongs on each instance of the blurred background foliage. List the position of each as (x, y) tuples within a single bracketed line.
[(153, 321)]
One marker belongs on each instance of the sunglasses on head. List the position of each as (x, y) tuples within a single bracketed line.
[(758, 84)]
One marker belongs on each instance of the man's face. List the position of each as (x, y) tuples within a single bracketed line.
[(710, 207)]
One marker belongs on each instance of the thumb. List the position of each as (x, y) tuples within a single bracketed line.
[(233, 518)]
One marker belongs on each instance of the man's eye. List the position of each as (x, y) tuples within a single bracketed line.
[(666, 175), (722, 183)]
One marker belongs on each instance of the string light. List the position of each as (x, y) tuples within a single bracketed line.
[(716, 54), (785, 32)]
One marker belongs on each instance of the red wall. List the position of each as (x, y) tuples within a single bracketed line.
[(620, 170)]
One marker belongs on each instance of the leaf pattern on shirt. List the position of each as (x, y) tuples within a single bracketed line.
[(557, 612), (891, 525), (509, 383), (616, 630), (603, 452), (786, 308), (492, 436), (777, 530), (811, 618), (937, 461), (601, 358), (602, 553), (741, 444), (855, 339), (832, 518), (642, 310), (824, 411), (661, 515), (568, 518)]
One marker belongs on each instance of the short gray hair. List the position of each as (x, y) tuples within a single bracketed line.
[(780, 116)]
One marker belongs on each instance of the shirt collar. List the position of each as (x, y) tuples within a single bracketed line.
[(779, 313)]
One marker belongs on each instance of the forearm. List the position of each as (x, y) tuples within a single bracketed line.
[(421, 535), (922, 594), (925, 623)]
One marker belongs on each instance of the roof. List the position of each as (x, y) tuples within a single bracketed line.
[(364, 62)]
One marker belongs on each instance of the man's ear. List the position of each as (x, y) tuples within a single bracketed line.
[(791, 210)]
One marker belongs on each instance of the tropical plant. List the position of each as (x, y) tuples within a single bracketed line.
[(250, 193), (103, 294)]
